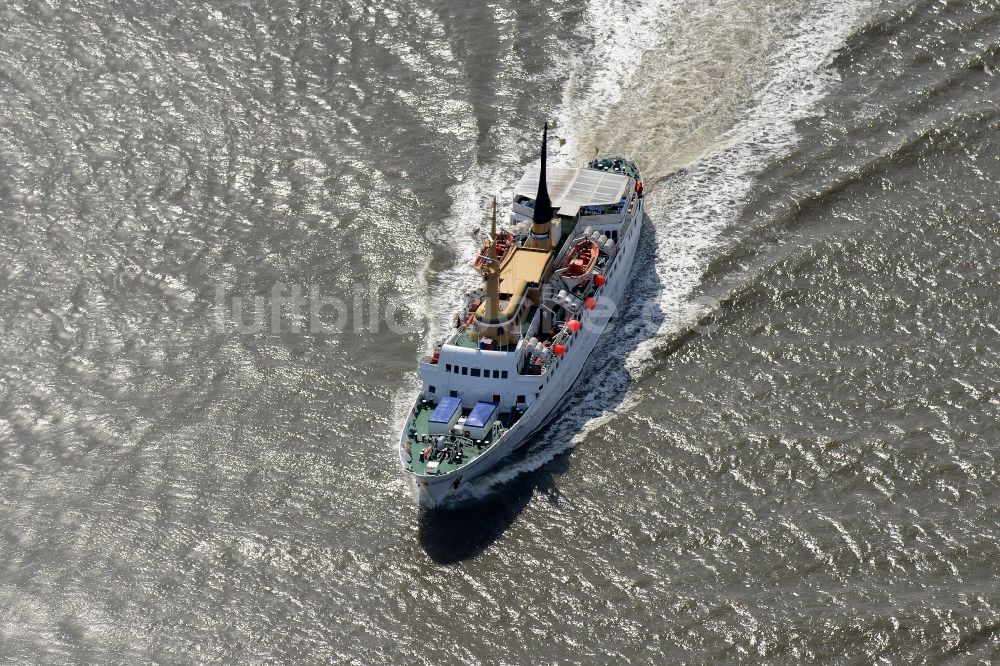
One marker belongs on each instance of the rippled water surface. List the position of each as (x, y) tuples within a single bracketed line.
[(785, 450)]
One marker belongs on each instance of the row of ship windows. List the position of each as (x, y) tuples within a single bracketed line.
[(496, 397), (475, 372)]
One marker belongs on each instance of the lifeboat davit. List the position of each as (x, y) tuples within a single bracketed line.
[(505, 240)]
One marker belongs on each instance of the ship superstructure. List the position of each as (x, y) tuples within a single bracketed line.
[(520, 339)]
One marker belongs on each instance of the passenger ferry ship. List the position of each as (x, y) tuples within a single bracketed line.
[(520, 340)]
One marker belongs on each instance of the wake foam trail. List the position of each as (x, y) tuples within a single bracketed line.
[(616, 34), (690, 211), (693, 208)]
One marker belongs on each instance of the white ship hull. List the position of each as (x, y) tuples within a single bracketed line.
[(435, 490)]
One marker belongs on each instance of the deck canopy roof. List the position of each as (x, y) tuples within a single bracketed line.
[(523, 264), (571, 188), (521, 269)]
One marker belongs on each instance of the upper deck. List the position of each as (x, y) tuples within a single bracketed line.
[(574, 188), (521, 269)]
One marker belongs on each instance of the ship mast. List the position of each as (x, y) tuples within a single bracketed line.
[(493, 274)]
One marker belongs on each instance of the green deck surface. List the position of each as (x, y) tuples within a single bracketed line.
[(420, 425)]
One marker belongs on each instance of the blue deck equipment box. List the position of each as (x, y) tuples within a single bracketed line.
[(445, 416), (481, 419)]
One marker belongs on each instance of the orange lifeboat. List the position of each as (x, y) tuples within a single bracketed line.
[(581, 259), (505, 240)]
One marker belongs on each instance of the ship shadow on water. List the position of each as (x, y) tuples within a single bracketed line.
[(465, 529), (490, 505)]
